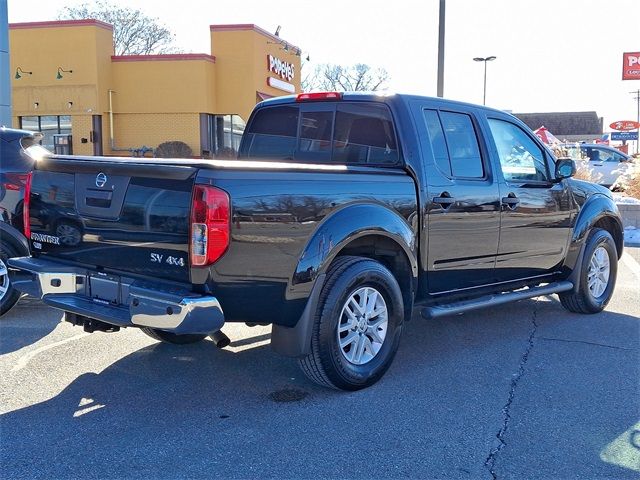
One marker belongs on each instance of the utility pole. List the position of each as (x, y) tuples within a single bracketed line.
[(441, 50), (637, 99), (5, 81)]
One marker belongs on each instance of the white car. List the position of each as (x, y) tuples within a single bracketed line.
[(606, 163)]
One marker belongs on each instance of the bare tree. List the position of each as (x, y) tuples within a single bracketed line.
[(134, 33), (356, 78)]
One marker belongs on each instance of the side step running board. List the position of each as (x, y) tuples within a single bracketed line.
[(437, 311)]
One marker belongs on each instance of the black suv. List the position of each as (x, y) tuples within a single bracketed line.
[(14, 171)]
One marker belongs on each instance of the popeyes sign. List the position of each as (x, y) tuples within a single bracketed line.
[(631, 66), (281, 68)]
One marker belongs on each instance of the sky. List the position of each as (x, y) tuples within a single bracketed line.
[(552, 55)]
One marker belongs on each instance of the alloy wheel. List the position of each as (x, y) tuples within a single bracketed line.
[(598, 273), (4, 279), (362, 327)]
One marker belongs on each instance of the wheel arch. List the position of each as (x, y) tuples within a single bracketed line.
[(598, 212), (12, 235), (362, 229), (366, 230)]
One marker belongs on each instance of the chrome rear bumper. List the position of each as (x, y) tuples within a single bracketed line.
[(120, 301)]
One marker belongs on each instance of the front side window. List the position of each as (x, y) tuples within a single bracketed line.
[(521, 159)]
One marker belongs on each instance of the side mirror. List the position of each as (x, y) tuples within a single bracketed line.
[(565, 168)]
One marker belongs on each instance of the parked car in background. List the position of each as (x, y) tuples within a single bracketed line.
[(606, 163), (15, 167)]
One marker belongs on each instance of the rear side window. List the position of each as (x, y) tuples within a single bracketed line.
[(438, 143), (462, 143), (364, 135), (273, 134), (454, 144), (343, 133)]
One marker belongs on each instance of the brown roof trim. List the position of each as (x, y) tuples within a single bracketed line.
[(250, 26), (85, 22), (163, 57)]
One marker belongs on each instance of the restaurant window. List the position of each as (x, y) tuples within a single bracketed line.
[(49, 125), (221, 135)]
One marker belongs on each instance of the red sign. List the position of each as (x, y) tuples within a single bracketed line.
[(625, 125), (631, 66)]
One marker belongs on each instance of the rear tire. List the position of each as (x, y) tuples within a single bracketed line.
[(357, 325), (9, 296), (173, 338), (598, 273)]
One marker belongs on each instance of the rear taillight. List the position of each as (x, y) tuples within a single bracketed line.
[(210, 212), (318, 96), (26, 219)]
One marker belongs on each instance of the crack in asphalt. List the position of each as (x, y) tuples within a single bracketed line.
[(490, 462), (586, 343)]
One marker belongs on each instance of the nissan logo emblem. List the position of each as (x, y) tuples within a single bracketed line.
[(101, 180)]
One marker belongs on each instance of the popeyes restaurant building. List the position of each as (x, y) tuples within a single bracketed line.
[(68, 84)]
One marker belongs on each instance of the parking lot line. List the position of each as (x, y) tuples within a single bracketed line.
[(633, 265), (24, 360)]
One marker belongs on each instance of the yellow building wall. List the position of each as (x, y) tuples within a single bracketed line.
[(155, 98), (42, 50), (146, 86), (80, 128), (242, 70), (135, 130)]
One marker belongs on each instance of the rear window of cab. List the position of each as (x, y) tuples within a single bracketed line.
[(323, 132)]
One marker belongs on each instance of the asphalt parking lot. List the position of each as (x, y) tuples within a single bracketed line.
[(524, 391)]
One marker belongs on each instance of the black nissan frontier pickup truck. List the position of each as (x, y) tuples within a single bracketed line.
[(342, 213)]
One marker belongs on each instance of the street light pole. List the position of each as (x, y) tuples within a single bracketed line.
[(441, 25), (484, 89)]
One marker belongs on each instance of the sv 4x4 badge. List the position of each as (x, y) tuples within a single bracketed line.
[(158, 258)]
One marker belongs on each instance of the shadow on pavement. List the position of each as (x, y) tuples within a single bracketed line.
[(18, 328), (173, 411)]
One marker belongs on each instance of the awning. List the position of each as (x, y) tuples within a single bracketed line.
[(263, 96), (546, 136)]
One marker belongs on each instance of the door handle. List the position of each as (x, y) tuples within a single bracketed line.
[(510, 201), (445, 200)]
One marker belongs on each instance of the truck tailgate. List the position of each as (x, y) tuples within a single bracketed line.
[(113, 214)]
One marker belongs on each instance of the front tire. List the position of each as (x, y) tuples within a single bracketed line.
[(598, 273), (357, 325), (173, 338)]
